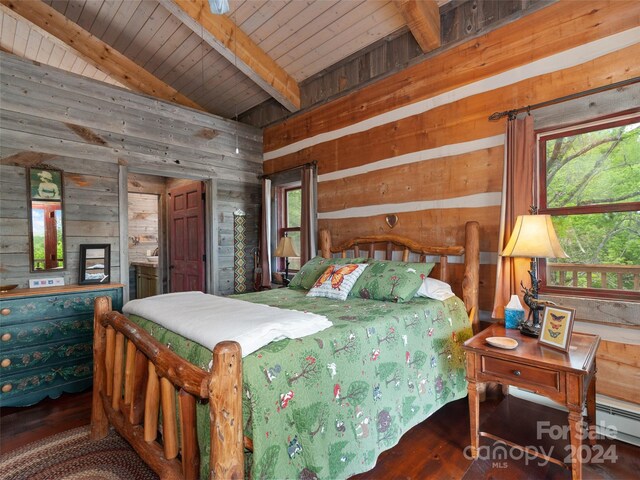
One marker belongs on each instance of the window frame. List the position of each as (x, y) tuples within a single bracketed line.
[(282, 216), (552, 133)]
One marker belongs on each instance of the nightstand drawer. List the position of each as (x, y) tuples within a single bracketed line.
[(519, 373)]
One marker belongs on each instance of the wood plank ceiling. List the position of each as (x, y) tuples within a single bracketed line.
[(298, 38)]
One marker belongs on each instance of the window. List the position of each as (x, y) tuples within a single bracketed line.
[(590, 184), (289, 222)]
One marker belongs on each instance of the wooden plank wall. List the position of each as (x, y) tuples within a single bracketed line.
[(418, 143), (89, 129)]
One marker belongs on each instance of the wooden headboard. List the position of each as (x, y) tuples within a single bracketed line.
[(368, 245)]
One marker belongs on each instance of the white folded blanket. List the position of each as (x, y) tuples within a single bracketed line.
[(208, 319)]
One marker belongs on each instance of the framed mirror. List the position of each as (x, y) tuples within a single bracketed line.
[(95, 264), (46, 225)]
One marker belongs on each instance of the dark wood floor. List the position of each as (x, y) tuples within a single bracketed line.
[(435, 449)]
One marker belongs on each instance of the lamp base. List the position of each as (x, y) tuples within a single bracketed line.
[(530, 330)]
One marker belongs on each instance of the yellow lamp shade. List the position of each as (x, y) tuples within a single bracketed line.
[(534, 237), (285, 248)]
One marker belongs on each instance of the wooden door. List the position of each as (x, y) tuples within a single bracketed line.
[(186, 238)]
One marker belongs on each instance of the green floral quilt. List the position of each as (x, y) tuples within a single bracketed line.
[(326, 405)]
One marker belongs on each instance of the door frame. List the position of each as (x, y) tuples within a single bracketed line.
[(210, 225)]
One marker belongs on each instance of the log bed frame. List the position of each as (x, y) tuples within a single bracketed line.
[(132, 383)]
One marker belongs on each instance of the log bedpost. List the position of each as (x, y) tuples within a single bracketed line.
[(99, 420), (471, 281), (225, 406), (325, 243)]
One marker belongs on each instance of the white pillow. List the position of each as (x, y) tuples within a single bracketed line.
[(337, 281), (435, 289)]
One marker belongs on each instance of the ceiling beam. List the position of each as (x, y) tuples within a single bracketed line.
[(423, 19), (224, 36), (96, 52)]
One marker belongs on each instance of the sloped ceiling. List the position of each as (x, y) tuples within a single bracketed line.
[(302, 37)]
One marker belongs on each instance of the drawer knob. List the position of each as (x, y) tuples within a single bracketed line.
[(6, 388), (5, 311), (5, 362), (516, 373), (6, 337)]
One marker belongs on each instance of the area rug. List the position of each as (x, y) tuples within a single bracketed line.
[(71, 455)]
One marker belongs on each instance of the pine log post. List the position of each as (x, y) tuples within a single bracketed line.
[(151, 405), (325, 243), (190, 452), (99, 420), (471, 281), (169, 423), (225, 403)]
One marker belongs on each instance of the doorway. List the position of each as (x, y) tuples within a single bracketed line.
[(166, 235), (143, 243)]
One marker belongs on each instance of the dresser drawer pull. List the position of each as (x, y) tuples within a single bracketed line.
[(5, 362), (5, 311), (517, 373), (6, 337), (6, 388)]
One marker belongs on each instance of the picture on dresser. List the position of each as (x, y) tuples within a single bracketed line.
[(95, 264), (557, 324)]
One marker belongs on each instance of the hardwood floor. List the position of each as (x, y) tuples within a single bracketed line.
[(435, 449)]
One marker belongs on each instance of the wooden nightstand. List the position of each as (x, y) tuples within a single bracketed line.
[(566, 378)]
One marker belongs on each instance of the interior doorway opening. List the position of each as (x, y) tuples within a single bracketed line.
[(166, 227)]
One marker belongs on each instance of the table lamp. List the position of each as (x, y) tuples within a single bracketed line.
[(533, 237), (286, 249)]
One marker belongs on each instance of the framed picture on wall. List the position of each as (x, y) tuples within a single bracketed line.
[(557, 325), (95, 264), (45, 184)]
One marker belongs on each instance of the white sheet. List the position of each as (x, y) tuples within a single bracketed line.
[(208, 319)]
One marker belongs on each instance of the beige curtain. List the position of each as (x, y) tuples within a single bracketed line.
[(308, 227), (265, 234), (517, 197)]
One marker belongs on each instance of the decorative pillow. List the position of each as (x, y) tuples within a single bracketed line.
[(311, 271), (436, 289), (337, 281), (391, 281)]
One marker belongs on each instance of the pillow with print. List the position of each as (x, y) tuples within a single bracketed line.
[(311, 271), (391, 281), (337, 281)]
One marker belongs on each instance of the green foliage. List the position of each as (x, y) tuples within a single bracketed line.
[(356, 393), (309, 420), (386, 370), (595, 168), (267, 464), (418, 359), (409, 409), (338, 459)]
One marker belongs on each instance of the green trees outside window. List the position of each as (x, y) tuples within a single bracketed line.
[(591, 186)]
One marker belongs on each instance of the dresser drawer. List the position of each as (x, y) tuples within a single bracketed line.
[(12, 361), (29, 387), (18, 310), (36, 333), (516, 373)]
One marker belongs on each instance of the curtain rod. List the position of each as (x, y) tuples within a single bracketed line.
[(267, 175), (512, 113)]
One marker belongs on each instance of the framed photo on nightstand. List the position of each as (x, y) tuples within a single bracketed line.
[(557, 324)]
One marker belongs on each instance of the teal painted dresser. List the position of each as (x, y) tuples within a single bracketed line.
[(46, 341)]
